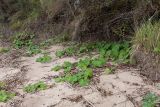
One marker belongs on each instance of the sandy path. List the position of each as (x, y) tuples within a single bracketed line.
[(123, 89)]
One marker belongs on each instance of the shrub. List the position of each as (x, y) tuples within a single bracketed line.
[(21, 39)]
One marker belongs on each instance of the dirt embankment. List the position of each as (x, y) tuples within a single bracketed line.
[(149, 65)]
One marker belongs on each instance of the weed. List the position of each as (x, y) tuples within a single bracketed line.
[(5, 96), (56, 68), (150, 100), (60, 54), (32, 88), (110, 70), (99, 62), (70, 51), (4, 50), (115, 48), (114, 51), (84, 63), (84, 67), (67, 67), (82, 49), (33, 49), (44, 59), (82, 77), (22, 39)]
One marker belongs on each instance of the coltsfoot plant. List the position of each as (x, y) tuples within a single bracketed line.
[(32, 88)]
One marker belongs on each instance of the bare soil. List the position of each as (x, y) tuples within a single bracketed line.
[(125, 88)]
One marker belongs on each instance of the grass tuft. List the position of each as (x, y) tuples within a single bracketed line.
[(147, 37)]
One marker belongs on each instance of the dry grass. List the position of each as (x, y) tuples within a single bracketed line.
[(147, 37)]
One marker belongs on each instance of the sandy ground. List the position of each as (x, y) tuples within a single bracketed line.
[(125, 88)]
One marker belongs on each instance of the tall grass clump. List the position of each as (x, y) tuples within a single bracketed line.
[(147, 37)]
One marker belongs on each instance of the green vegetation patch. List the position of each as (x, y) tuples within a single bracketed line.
[(33, 50), (150, 100), (115, 51), (44, 59), (56, 68), (22, 39), (25, 39), (81, 72), (82, 77), (32, 88), (5, 96)]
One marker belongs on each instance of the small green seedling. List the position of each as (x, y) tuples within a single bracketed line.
[(33, 50), (150, 100), (56, 68), (109, 70), (60, 53), (82, 77), (32, 88), (67, 66), (84, 63), (99, 62), (5, 96), (44, 59), (70, 51), (82, 49)]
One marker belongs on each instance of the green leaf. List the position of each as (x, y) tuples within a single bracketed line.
[(67, 67), (44, 59), (31, 88), (100, 62), (84, 82), (115, 50), (5, 96), (70, 51), (60, 53), (56, 68), (88, 73), (83, 64), (67, 64)]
